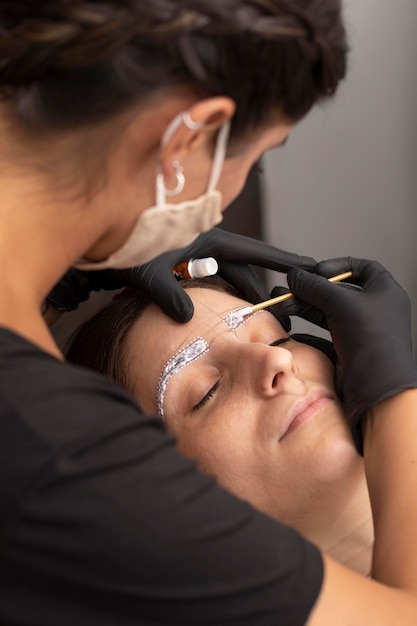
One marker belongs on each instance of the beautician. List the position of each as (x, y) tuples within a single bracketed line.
[(126, 128)]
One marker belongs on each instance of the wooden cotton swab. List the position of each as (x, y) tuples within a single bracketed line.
[(287, 296), (235, 318)]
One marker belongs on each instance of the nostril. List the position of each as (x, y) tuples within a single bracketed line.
[(275, 381)]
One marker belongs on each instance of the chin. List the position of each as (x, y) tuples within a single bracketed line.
[(323, 452)]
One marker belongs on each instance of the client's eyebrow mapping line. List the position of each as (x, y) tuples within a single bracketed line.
[(192, 351), (232, 319)]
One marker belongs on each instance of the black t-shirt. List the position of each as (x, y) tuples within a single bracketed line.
[(103, 522)]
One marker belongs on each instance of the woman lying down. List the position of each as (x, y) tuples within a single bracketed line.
[(251, 405)]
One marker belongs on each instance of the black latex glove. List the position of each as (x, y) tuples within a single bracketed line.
[(324, 345), (74, 287), (156, 278), (370, 328), (250, 287)]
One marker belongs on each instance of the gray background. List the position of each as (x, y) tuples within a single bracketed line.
[(345, 183)]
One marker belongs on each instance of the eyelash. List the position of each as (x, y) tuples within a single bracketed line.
[(280, 342), (211, 392)]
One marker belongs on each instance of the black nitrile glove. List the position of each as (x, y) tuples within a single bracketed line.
[(324, 345), (76, 285), (250, 287), (233, 254), (156, 278), (73, 288), (370, 328)]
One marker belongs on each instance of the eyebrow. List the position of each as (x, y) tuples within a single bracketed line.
[(190, 353), (186, 355)]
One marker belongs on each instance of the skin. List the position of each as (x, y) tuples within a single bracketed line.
[(263, 418), (49, 220), (193, 149), (69, 218)]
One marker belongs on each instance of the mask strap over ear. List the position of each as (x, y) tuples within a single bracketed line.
[(218, 158)]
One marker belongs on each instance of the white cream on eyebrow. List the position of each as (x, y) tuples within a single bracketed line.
[(182, 358), (191, 352), (236, 318), (239, 316)]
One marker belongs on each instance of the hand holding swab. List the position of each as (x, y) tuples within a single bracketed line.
[(287, 296), (237, 317)]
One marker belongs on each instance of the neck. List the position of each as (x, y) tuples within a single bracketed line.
[(345, 531), (353, 547), (39, 239)]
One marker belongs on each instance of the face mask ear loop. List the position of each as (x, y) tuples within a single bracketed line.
[(160, 183), (219, 156), (218, 159)]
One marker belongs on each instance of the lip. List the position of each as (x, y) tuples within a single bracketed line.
[(305, 409)]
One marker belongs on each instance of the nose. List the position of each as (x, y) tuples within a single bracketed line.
[(268, 370)]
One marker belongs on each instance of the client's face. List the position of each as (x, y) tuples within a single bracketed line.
[(254, 407)]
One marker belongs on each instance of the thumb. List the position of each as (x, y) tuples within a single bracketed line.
[(311, 288), (299, 308), (288, 307)]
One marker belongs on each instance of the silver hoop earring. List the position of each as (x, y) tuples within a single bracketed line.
[(180, 180), (189, 122)]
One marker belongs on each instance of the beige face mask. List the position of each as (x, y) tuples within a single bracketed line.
[(165, 226)]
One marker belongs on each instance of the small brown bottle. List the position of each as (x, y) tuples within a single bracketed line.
[(196, 268)]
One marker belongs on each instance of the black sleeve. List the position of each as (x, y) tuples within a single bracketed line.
[(108, 524)]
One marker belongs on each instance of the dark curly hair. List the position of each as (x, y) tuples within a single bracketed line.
[(64, 63)]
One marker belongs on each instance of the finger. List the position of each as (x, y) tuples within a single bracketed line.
[(362, 270), (319, 343), (167, 293), (297, 308), (288, 307), (311, 288), (333, 267), (305, 312), (251, 287), (259, 253), (292, 306), (367, 275), (226, 246), (245, 280), (279, 290)]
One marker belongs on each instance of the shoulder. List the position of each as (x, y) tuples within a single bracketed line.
[(52, 413), (42, 390)]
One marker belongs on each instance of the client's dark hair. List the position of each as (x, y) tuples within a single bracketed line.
[(100, 343), (67, 63)]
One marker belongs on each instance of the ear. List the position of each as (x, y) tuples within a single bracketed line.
[(201, 121)]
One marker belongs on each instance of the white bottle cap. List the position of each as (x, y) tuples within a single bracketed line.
[(199, 268)]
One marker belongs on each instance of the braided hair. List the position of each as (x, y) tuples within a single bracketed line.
[(64, 63)]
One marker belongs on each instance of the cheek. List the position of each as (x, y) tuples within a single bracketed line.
[(212, 448), (221, 445), (249, 470)]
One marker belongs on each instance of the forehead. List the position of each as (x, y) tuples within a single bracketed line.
[(210, 307), (155, 337)]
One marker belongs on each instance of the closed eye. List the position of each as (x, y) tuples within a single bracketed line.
[(280, 342), (207, 397), (212, 391)]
